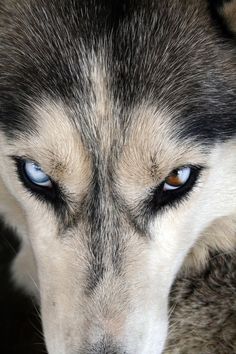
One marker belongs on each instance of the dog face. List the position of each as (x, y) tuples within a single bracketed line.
[(117, 151)]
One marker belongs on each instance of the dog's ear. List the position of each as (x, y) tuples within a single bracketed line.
[(224, 13)]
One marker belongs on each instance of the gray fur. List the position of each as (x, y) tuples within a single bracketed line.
[(110, 97)]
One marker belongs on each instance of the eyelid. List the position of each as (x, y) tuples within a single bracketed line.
[(54, 196), (23, 158), (195, 173), (161, 199)]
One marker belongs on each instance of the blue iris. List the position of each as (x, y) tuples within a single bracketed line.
[(36, 175)]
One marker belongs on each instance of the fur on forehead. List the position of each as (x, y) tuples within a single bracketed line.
[(173, 56), (55, 143), (151, 146), (153, 149)]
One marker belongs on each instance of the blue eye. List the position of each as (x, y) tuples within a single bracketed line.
[(36, 175)]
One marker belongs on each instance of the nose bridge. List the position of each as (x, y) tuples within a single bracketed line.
[(105, 233), (105, 284), (114, 275)]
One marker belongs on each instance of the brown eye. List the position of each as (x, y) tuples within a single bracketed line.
[(177, 178)]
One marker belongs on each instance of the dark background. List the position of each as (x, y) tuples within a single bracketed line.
[(20, 330)]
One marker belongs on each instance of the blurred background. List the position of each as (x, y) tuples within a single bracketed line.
[(20, 328)]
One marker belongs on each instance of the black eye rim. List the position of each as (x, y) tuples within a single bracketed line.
[(157, 200), (53, 196), (161, 198), (47, 192)]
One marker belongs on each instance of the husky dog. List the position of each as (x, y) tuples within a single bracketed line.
[(117, 162)]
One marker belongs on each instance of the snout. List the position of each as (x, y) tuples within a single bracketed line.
[(100, 299), (108, 321)]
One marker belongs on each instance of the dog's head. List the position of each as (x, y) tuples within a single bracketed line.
[(117, 124)]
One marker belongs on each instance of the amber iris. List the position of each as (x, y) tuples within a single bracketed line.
[(174, 179)]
